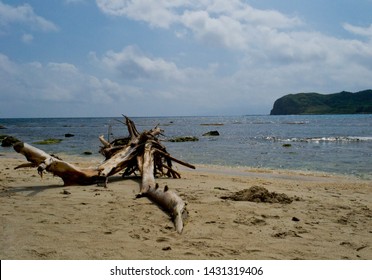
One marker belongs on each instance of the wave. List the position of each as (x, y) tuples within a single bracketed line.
[(322, 139), (296, 122)]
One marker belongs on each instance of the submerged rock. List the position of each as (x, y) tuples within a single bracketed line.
[(211, 124), (48, 141), (184, 139), (212, 133), (69, 135)]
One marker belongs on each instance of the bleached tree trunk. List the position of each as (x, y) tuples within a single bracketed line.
[(147, 170), (168, 200)]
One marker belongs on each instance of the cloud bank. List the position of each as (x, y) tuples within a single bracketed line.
[(259, 55)]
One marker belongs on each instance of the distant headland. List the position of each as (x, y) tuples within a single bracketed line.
[(314, 103)]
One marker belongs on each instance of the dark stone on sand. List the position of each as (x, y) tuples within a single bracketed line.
[(65, 192), (212, 133), (285, 234), (343, 220), (87, 153), (295, 219), (260, 194)]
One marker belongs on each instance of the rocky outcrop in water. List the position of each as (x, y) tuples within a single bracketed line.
[(212, 133)]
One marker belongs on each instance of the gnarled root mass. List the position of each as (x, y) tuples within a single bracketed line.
[(140, 152)]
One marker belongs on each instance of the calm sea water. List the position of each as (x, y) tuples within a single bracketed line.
[(327, 143)]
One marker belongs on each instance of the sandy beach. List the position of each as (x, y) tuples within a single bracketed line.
[(330, 216)]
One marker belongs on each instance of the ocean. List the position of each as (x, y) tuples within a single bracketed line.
[(340, 144)]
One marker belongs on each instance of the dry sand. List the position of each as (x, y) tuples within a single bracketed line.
[(330, 217)]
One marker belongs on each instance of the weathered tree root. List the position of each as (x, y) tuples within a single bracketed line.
[(141, 152)]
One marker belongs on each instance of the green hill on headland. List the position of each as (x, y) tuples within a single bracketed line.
[(314, 103)]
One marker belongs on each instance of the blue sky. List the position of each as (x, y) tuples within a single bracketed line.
[(85, 58)]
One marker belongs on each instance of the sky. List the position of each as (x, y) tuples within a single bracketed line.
[(105, 58)]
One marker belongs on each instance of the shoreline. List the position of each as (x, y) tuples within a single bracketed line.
[(239, 170), (41, 219)]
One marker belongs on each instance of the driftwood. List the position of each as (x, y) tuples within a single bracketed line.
[(140, 152), (170, 202), (69, 173), (166, 199)]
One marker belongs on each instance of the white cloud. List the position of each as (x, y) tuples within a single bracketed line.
[(232, 24), (260, 36), (246, 14), (357, 30), (27, 38), (25, 15), (223, 31), (157, 13), (163, 13), (7, 67), (132, 64), (55, 82)]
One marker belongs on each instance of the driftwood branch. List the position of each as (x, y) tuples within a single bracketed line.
[(168, 156), (167, 200), (171, 203), (69, 173), (141, 152)]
